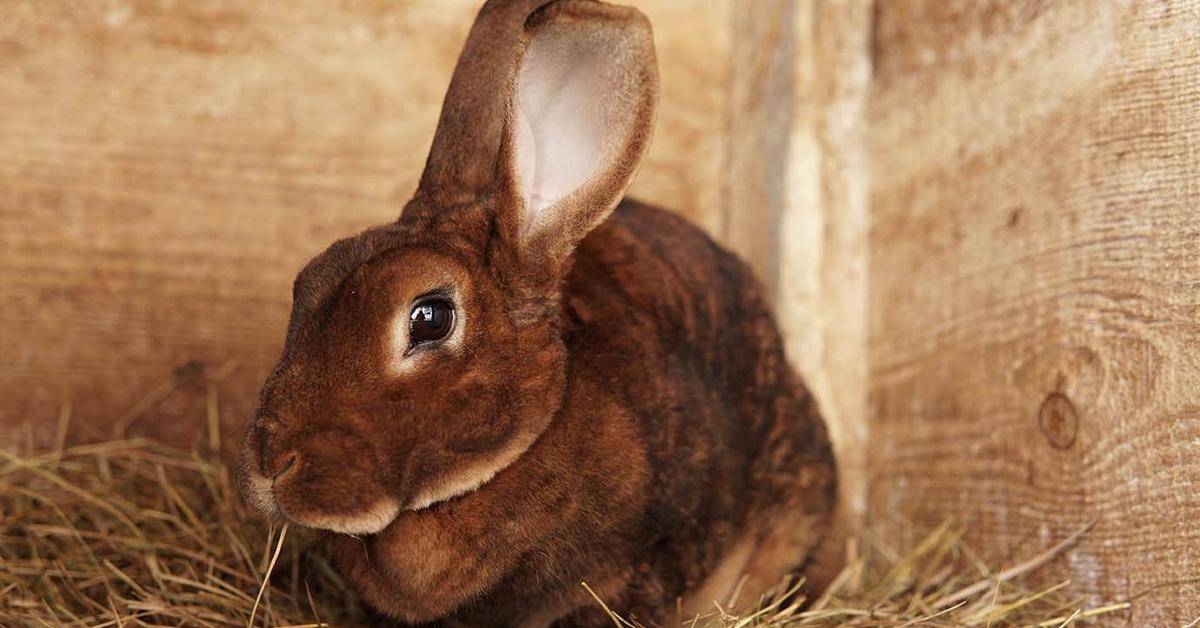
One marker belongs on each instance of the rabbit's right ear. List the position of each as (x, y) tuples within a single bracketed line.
[(578, 124), (462, 160), (549, 114)]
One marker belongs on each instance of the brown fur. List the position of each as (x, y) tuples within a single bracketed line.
[(624, 369)]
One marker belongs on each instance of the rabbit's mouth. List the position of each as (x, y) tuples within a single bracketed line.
[(370, 521)]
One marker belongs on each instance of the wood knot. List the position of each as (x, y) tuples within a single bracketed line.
[(1058, 421)]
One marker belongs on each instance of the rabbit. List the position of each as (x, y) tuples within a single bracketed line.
[(527, 383)]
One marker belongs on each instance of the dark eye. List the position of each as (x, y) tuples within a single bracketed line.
[(431, 320)]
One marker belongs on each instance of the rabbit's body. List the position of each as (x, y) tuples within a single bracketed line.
[(684, 443), (513, 389), (734, 441)]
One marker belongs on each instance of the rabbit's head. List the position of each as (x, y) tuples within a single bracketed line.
[(424, 356)]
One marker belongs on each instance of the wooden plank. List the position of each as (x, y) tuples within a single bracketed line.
[(761, 97), (165, 169), (685, 169), (1034, 332), (822, 256)]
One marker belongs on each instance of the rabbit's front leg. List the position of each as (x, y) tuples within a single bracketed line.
[(419, 569)]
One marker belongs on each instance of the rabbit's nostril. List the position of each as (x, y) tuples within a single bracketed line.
[(272, 462), (289, 463)]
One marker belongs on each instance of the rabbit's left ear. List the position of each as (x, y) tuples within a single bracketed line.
[(578, 124)]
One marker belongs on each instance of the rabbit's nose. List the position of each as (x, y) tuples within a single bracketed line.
[(273, 463), (286, 464)]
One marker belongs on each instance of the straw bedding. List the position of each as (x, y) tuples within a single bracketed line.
[(132, 532)]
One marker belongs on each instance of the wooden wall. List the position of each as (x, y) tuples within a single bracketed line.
[(823, 229), (166, 169), (1034, 312)]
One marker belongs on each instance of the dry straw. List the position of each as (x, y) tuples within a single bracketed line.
[(131, 532)]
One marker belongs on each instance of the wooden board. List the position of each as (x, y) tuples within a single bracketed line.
[(1034, 313), (823, 225), (165, 169)]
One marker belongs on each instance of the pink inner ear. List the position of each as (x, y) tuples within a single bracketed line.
[(564, 117)]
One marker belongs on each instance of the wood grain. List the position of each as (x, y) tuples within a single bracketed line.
[(166, 168), (1034, 312), (685, 169), (761, 101), (823, 226)]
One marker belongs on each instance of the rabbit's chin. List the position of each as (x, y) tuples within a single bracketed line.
[(260, 493), (370, 521)]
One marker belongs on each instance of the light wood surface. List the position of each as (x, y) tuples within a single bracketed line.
[(1034, 313), (823, 226)]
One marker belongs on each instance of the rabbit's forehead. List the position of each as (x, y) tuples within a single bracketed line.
[(399, 275)]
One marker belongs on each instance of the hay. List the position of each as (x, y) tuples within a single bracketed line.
[(132, 532)]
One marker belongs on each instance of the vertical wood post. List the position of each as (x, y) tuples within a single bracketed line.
[(795, 203)]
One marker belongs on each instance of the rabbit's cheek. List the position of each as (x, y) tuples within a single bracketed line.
[(472, 476)]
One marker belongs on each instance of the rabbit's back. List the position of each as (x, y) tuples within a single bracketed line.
[(680, 329)]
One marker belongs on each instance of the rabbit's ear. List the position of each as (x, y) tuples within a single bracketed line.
[(578, 124), (462, 161), (549, 113)]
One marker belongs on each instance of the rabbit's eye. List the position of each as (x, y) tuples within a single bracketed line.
[(431, 320)]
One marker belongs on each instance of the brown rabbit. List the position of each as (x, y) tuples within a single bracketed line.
[(515, 389)]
